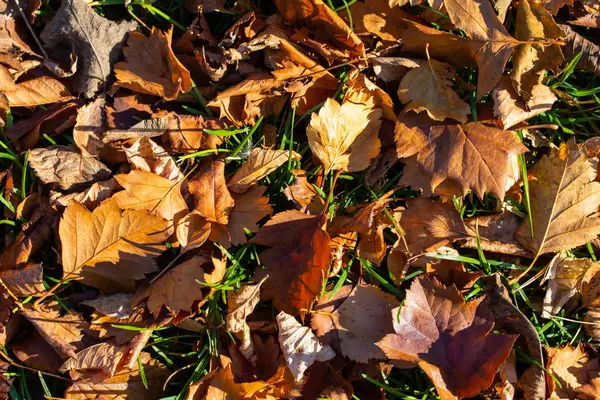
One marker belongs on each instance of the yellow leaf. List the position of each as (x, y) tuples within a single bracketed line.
[(260, 164)]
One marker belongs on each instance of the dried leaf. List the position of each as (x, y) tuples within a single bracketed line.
[(429, 88), (344, 137), (145, 155), (564, 197), (259, 164), (300, 191), (148, 191), (298, 261), (37, 91), (186, 134), (36, 353), (590, 52), (25, 281), (433, 329), (573, 368), (66, 168), (210, 193), (148, 128), (151, 67), (95, 40), (496, 234), (249, 208), (92, 197), (377, 18), (192, 231), (300, 346), (110, 249), (102, 356), (353, 320), (90, 127)]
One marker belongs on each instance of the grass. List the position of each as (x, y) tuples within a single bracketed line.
[(188, 354)]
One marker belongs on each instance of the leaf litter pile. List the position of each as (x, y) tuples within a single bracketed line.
[(210, 199)]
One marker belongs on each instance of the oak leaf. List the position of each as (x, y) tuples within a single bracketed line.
[(300, 346), (478, 19), (354, 319), (298, 261), (66, 168), (108, 248), (151, 67), (211, 196), (95, 40), (457, 158), (344, 137), (37, 91), (449, 339), (429, 88), (148, 191), (259, 164), (564, 196)]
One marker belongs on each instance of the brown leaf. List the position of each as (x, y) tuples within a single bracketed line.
[(89, 198), (94, 39), (465, 157), (192, 231), (564, 197), (513, 110), (391, 69), (25, 281), (496, 234), (108, 248), (344, 137), (530, 61), (324, 22), (186, 134), (127, 384), (64, 334), (151, 67), (478, 19), (148, 191), (210, 193), (90, 127), (298, 261), (68, 169), (203, 6), (103, 356), (300, 191), (435, 328), (565, 276), (36, 353), (429, 88), (259, 164), (249, 208), (428, 225), (153, 127), (362, 90), (37, 91), (575, 44), (300, 346), (5, 381), (177, 289), (145, 155), (377, 18), (354, 321), (573, 368)]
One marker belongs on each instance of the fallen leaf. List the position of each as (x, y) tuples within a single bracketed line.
[(362, 91), (572, 367), (65, 167), (565, 276), (300, 346), (391, 69), (513, 110), (186, 134), (90, 127), (147, 128), (192, 231), (496, 234), (563, 197), (102, 356), (259, 164), (298, 261), (151, 67), (344, 137), (108, 248), (449, 339), (473, 156), (211, 195), (37, 91), (379, 18), (575, 44), (95, 40), (249, 208), (354, 326), (36, 353), (24, 281), (148, 191), (478, 19), (177, 289), (429, 88), (300, 191), (145, 155), (92, 197)]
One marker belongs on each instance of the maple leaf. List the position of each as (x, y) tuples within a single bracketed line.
[(449, 339), (151, 67), (298, 261), (65, 167), (148, 191), (300, 346), (95, 40), (344, 137), (494, 44), (211, 196), (564, 196), (531, 60), (354, 319), (108, 248), (37, 91), (452, 159), (428, 88), (259, 164)]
